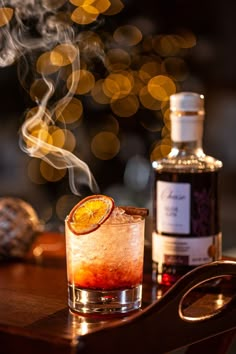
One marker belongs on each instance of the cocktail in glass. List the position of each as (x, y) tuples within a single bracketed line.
[(105, 266)]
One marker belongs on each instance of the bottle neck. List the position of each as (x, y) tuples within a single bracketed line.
[(186, 133)]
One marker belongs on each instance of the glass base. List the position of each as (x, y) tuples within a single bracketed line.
[(104, 301)]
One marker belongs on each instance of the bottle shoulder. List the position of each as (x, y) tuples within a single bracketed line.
[(187, 163)]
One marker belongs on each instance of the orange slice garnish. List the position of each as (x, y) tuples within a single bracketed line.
[(90, 213)]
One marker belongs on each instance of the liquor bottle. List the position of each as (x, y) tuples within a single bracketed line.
[(186, 227)]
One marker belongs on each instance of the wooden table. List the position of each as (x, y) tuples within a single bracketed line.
[(34, 317)]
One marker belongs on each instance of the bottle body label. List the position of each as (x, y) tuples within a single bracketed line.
[(186, 224), (173, 207), (185, 251)]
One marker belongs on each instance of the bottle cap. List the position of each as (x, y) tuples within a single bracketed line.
[(187, 101)]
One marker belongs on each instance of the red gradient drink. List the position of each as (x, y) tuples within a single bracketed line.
[(105, 266)]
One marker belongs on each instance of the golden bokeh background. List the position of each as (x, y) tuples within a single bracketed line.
[(101, 81), (84, 91)]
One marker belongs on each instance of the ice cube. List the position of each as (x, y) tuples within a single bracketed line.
[(119, 216)]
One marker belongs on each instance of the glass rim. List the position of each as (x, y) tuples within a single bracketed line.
[(140, 218)]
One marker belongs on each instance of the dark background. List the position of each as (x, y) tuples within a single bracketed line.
[(212, 71)]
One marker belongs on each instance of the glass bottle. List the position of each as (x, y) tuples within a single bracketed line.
[(186, 228)]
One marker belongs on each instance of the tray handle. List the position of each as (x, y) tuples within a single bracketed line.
[(162, 327)]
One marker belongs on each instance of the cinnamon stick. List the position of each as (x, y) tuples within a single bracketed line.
[(135, 210)]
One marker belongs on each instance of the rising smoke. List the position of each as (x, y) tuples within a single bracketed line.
[(36, 27)]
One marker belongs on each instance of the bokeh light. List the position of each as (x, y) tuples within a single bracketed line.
[(41, 138), (101, 5), (166, 45), (70, 140), (44, 64), (115, 7), (50, 173), (161, 149), (125, 107), (34, 174), (187, 39), (6, 14), (117, 86), (166, 117), (69, 110), (63, 54), (84, 14), (98, 93), (117, 59), (88, 10), (80, 82), (40, 88), (127, 35), (105, 145), (161, 87), (58, 136), (148, 101), (150, 69), (137, 82), (90, 45), (165, 133)]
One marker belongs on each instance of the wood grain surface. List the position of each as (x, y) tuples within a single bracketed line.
[(34, 316)]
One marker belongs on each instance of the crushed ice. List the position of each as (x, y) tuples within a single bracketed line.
[(119, 216)]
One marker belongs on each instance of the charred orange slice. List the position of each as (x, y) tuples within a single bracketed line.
[(90, 213)]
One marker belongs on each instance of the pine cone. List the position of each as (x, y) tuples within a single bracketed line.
[(19, 225)]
